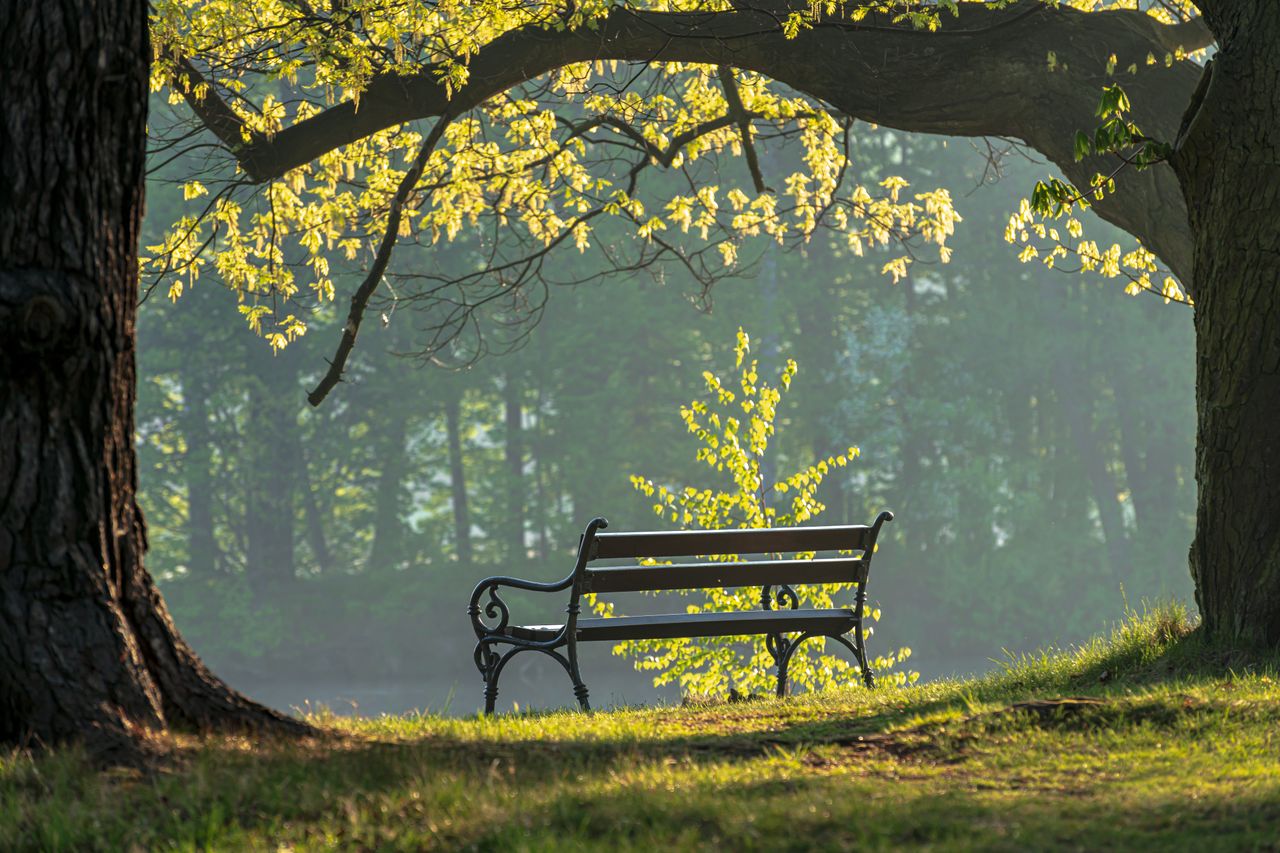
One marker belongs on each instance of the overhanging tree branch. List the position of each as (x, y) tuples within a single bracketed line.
[(739, 112), (1188, 35), (985, 73), (360, 299), (212, 110)]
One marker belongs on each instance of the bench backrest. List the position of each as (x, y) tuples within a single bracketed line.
[(737, 543)]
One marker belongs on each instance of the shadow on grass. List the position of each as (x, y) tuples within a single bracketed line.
[(840, 812), (567, 794), (224, 792)]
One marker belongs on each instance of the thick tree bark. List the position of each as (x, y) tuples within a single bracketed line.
[(1229, 163), (87, 648), (457, 476)]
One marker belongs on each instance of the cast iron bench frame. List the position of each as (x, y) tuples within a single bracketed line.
[(775, 623)]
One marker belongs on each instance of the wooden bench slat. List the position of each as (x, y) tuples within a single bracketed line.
[(673, 625), (680, 543), (711, 575)]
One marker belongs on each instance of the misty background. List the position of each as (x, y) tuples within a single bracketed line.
[(1032, 430)]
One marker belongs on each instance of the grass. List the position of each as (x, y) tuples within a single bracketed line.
[(1145, 740)]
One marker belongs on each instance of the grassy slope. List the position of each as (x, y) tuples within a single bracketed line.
[(1169, 746)]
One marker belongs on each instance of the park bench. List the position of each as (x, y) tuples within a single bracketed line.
[(785, 626)]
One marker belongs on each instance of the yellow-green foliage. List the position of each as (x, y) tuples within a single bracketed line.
[(733, 427), (524, 157), (517, 158), (1033, 226)]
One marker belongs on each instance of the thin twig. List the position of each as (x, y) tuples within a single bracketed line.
[(360, 299)]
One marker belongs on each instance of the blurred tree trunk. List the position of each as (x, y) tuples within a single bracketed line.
[(1149, 451), (457, 474), (87, 648), (1020, 417), (317, 520), (274, 453), (914, 444), (1068, 492), (1075, 400), (820, 336), (513, 525), (539, 512), (388, 527), (202, 547)]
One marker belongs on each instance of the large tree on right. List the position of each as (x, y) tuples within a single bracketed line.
[(1227, 159), (1030, 70)]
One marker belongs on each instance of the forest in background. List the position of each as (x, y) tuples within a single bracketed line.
[(1032, 430)]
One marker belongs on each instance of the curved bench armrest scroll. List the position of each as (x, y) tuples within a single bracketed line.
[(496, 608)]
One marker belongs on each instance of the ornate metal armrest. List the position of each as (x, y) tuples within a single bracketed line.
[(496, 608)]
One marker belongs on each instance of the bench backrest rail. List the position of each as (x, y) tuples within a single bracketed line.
[(706, 543), (722, 575), (595, 545)]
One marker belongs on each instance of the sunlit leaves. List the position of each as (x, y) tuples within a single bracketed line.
[(1054, 200), (542, 160), (1032, 229)]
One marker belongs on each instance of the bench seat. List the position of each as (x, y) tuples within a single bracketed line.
[(723, 559), (670, 625)]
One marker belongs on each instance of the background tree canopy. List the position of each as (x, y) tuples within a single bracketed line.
[(1033, 429), (363, 128), (411, 151), (540, 138)]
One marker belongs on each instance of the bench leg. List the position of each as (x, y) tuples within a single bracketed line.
[(859, 650), (490, 697), (779, 648), (491, 664), (859, 638), (487, 662), (579, 689), (868, 677)]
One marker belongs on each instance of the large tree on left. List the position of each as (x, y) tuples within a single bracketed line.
[(87, 648)]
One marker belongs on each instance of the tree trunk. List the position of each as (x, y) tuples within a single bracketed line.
[(1067, 491), (316, 517), (388, 528), (273, 449), (458, 476), (1075, 400), (197, 464), (1229, 164), (1150, 451), (915, 445), (514, 409), (540, 511), (87, 648)]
